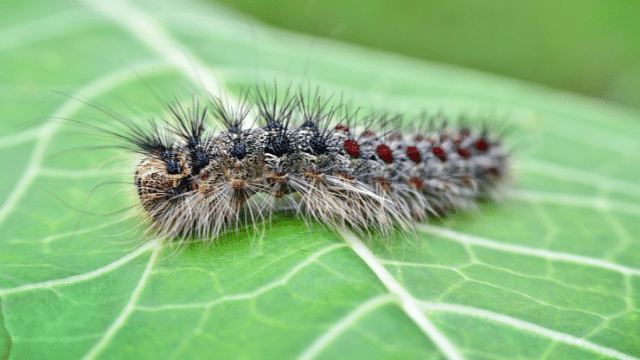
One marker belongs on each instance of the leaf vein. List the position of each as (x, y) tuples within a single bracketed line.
[(576, 200), (580, 176), (82, 277), (250, 295), (519, 249), (527, 326), (340, 326), (405, 300), (128, 309)]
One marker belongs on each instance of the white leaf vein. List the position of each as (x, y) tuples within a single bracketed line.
[(128, 309), (339, 327), (580, 176), (527, 326), (406, 301), (82, 277), (519, 249), (576, 200), (250, 295)]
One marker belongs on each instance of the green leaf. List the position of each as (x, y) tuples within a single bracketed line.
[(550, 273)]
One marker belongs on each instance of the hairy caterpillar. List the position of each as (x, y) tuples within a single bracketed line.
[(302, 151)]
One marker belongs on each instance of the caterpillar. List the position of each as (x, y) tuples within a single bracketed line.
[(302, 151)]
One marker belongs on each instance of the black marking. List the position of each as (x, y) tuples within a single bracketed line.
[(274, 125), (193, 142), (239, 150), (200, 160), (185, 184), (318, 145), (173, 166), (171, 162), (310, 124), (280, 145)]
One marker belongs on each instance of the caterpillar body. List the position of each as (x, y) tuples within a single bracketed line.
[(301, 152)]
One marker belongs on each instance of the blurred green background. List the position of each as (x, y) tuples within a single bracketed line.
[(585, 46)]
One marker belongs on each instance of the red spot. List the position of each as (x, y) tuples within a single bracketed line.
[(414, 154), (481, 145), (352, 148), (384, 153), (383, 183), (343, 128), (439, 152), (464, 153), (416, 182), (348, 176)]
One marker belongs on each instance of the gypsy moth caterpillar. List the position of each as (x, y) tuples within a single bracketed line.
[(332, 163)]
